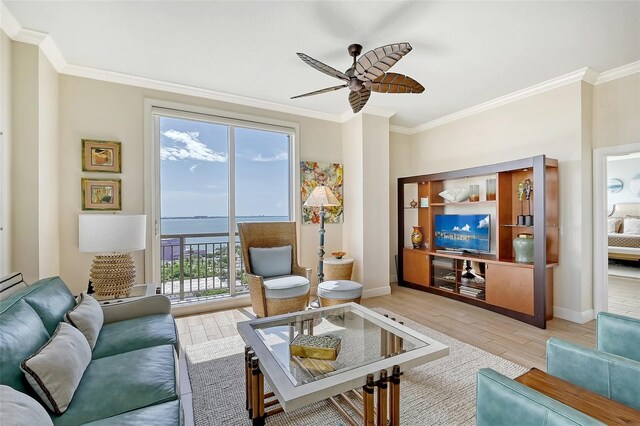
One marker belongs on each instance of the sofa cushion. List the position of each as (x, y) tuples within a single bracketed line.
[(19, 409), (10, 284), (21, 334), (166, 414), (271, 261), (285, 287), (87, 317), (55, 370), (136, 333), (51, 299), (122, 383), (619, 335)]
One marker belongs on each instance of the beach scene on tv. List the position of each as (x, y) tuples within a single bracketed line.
[(463, 232)]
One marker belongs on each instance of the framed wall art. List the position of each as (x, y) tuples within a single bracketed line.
[(313, 174), (101, 194), (101, 156)]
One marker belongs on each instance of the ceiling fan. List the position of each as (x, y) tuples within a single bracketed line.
[(368, 74)]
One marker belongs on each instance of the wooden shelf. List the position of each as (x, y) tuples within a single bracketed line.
[(463, 203), (523, 291)]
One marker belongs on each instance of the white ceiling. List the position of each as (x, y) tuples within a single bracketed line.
[(464, 53)]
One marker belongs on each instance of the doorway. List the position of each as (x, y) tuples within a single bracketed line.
[(616, 249)]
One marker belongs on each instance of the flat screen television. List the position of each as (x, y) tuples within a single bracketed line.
[(463, 232)]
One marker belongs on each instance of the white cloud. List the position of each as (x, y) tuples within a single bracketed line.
[(466, 228), (484, 223), (193, 168), (276, 157), (192, 148)]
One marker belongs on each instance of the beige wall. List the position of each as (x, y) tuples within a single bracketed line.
[(550, 123), (5, 152), (48, 165), (399, 156), (616, 112), (34, 159), (99, 110)]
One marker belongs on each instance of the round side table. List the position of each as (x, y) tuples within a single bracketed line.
[(338, 269)]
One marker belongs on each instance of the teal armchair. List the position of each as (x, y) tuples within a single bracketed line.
[(618, 335)]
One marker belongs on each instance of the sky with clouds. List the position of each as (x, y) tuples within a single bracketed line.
[(195, 163)]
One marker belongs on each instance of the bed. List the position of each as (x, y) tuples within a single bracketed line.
[(623, 245)]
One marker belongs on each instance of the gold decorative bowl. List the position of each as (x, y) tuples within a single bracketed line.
[(338, 254)]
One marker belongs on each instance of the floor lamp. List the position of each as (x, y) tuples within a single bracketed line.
[(113, 238), (321, 197)]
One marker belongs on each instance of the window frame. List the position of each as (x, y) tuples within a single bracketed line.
[(155, 108)]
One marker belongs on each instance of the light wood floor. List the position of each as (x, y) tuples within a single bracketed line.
[(495, 333), (624, 296)]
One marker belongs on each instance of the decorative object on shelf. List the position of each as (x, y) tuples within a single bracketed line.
[(523, 248), (101, 156), (113, 237), (455, 195), (101, 194), (491, 189), (338, 254), (416, 237), (330, 175), (424, 202), (614, 185), (321, 197), (524, 193), (634, 185), (318, 347), (413, 204), (467, 275), (474, 193)]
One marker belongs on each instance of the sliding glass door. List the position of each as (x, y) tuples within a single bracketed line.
[(214, 173)]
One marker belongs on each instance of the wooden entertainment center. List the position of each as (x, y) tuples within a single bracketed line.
[(523, 291)]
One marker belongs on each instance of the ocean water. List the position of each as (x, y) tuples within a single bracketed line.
[(206, 225)]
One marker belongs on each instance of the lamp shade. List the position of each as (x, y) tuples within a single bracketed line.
[(99, 233), (321, 196)]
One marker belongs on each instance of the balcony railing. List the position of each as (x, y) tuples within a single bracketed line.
[(196, 266)]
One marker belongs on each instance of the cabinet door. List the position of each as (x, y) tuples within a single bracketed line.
[(510, 287), (415, 267)]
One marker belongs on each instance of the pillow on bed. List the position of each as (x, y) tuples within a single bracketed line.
[(614, 225), (631, 225)]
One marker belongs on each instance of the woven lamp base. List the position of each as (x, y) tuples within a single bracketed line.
[(113, 275)]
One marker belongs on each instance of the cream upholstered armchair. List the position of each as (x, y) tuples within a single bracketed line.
[(277, 283)]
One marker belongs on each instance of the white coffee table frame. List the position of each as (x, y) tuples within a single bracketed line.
[(261, 364)]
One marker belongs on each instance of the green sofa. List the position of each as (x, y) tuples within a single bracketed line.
[(611, 370), (133, 374)]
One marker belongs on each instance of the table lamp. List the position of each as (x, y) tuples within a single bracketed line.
[(114, 237), (321, 197)]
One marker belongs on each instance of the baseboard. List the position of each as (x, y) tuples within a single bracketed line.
[(573, 316), (375, 292)]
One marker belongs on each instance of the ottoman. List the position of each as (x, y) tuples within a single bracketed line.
[(335, 292)]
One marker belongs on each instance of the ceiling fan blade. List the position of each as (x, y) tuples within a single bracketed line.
[(376, 62), (394, 83), (317, 92), (359, 99), (314, 63)]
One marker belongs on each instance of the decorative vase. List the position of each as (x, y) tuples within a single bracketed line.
[(416, 237), (523, 248)]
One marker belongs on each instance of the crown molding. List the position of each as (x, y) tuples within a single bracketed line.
[(8, 22), (623, 71), (585, 74), (400, 129), (147, 83), (371, 110)]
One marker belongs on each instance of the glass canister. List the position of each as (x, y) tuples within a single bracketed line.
[(491, 189), (474, 193), (523, 248)]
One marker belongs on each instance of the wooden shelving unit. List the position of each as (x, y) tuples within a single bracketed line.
[(521, 291)]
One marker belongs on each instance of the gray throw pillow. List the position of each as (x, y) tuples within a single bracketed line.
[(55, 370), (270, 262), (87, 317), (19, 409)]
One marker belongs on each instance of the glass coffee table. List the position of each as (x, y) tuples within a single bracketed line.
[(373, 352)]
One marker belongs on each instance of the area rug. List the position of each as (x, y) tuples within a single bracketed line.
[(439, 393)]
